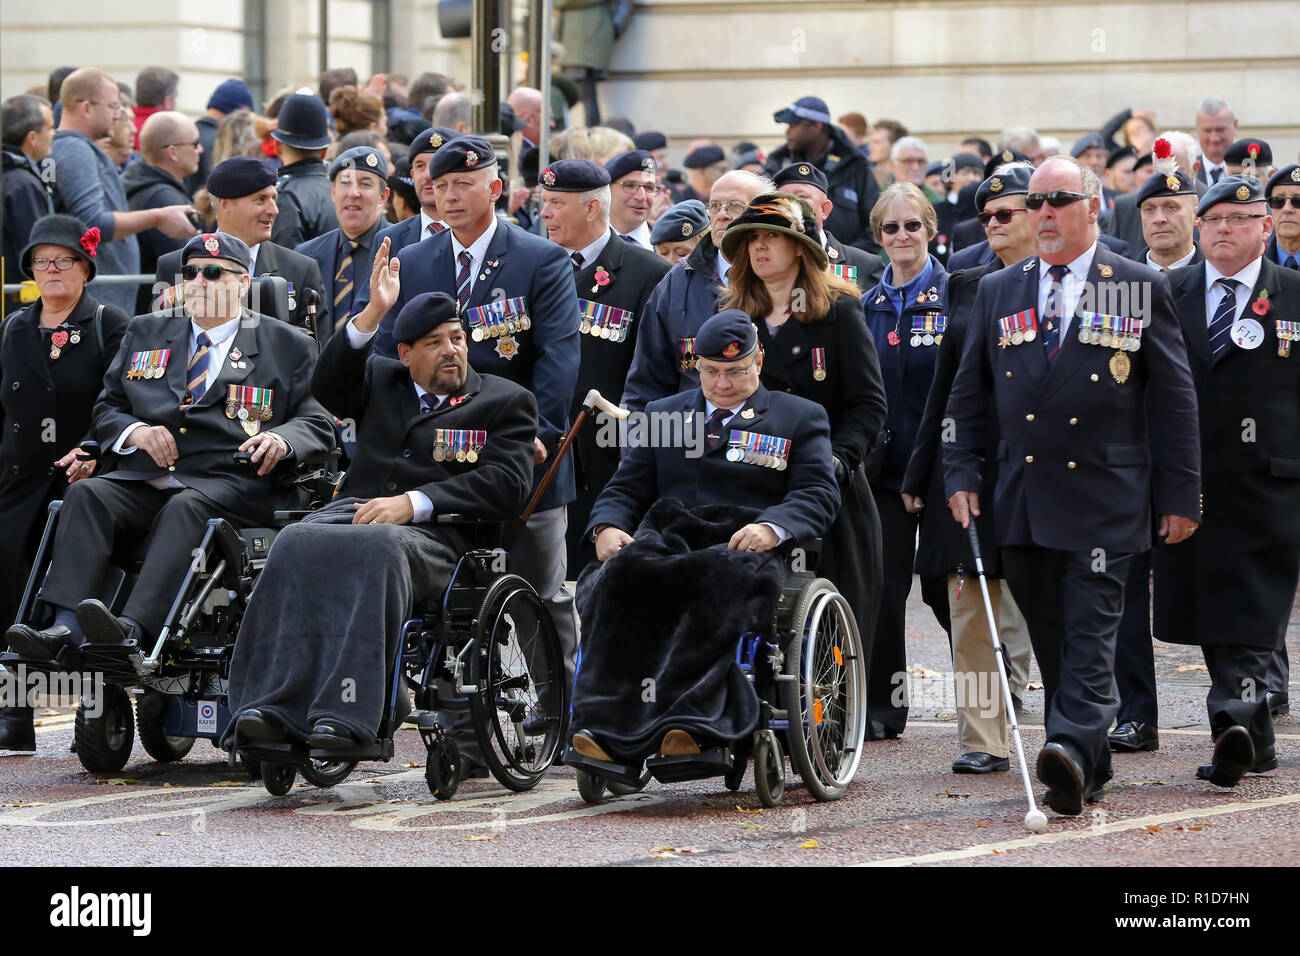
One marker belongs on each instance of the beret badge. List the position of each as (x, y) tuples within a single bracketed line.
[(471, 159), (1243, 192), (731, 351), (548, 177), (995, 185), (210, 243)]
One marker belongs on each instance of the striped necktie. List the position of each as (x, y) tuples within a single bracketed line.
[(462, 277), (1053, 310), (577, 261), (197, 375), (1291, 263), (344, 287), (1221, 324), (434, 228), (627, 238)]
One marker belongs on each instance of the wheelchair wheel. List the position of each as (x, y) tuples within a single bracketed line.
[(104, 742), (327, 773), (591, 786), (825, 703), (442, 769), (522, 699), (624, 789), (769, 769), (149, 711), (277, 778)]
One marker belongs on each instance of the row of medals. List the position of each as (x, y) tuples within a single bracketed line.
[(153, 371), (443, 453), (244, 412), (1110, 340), (74, 336), (602, 332), (502, 328), (753, 458), (929, 339)]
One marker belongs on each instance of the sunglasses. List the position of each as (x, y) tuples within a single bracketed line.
[(1002, 215), (1056, 199), (210, 272), (912, 225), (1279, 202)]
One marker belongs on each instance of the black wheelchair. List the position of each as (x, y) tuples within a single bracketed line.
[(809, 673), (487, 651)]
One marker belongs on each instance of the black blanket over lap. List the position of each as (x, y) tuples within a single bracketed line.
[(669, 609)]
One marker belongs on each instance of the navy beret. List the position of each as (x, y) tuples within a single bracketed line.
[(1231, 189), (573, 176), (1286, 176), (365, 158), (967, 161), (633, 161), (422, 315), (466, 154), (685, 220), (1146, 159), (801, 173), (239, 176), (704, 156), (1120, 152), (217, 245), (936, 167), (804, 108), (430, 141), (1086, 142), (651, 140), (1177, 183), (726, 337), (1002, 158), (1012, 182), (1249, 152), (749, 158)]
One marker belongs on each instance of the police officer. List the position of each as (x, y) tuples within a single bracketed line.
[(244, 192), (846, 262), (303, 134), (614, 279), (1231, 588), (812, 137), (187, 389), (359, 188), (517, 294), (1078, 464)]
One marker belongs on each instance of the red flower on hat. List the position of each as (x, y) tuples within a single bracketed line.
[(90, 241), (1253, 150), (1162, 149)]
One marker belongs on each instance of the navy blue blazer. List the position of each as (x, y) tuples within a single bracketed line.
[(546, 356), (325, 250), (802, 498), (1081, 454)]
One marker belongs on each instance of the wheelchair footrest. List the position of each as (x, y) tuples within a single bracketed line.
[(707, 763), (618, 772), (378, 750), (11, 660)]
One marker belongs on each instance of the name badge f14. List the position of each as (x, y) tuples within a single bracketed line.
[(1247, 333)]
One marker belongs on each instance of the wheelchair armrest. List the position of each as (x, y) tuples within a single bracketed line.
[(285, 517), (466, 520), (90, 451)]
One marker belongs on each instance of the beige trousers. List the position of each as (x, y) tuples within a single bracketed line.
[(981, 713)]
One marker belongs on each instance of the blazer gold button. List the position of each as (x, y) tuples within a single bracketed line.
[(1071, 464), (1029, 459), (184, 431)]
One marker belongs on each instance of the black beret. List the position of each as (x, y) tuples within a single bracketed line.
[(1144, 160), (1120, 152), (801, 173), (466, 154), (704, 156), (1012, 182), (1003, 157), (936, 167), (528, 157), (748, 159), (726, 337), (684, 220), (1286, 176), (217, 245), (69, 232), (1248, 152), (1231, 189), (967, 161), (1086, 142), (1177, 183), (239, 176), (422, 315), (651, 140), (633, 161), (365, 158), (430, 141), (573, 176)]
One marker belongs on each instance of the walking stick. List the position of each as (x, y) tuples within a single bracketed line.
[(590, 405)]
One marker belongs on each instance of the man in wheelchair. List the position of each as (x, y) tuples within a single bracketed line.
[(434, 437), (663, 612), (191, 390)]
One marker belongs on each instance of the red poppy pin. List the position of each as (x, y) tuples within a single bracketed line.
[(457, 400), (1260, 306), (602, 277), (90, 241)]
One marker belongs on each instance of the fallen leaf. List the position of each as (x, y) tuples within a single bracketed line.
[(483, 836), (946, 714), (953, 796), (689, 849), (1147, 783), (809, 845), (1192, 667), (414, 764), (663, 853), (26, 804), (227, 783), (1154, 829), (118, 782), (169, 784), (743, 810), (997, 852), (982, 825), (1158, 647), (1034, 685), (749, 826)]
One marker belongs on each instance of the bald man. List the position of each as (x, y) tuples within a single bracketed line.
[(527, 104), (170, 146)]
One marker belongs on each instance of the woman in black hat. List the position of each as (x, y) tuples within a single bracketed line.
[(817, 346), (53, 356)]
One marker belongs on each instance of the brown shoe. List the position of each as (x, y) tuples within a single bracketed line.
[(678, 743), (586, 745)]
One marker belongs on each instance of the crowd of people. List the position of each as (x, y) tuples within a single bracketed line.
[(944, 327)]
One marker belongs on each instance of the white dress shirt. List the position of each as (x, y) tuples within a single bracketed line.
[(589, 253), (723, 268), (252, 261), (1071, 287), (1178, 264), (781, 534), (477, 251), (640, 235), (1211, 167), (425, 222), (1247, 278)]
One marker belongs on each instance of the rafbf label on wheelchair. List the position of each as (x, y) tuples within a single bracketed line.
[(207, 717)]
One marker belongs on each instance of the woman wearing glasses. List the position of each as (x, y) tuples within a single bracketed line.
[(817, 346), (907, 313), (53, 356)]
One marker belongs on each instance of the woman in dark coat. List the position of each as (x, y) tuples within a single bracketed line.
[(907, 313), (817, 346), (53, 356)]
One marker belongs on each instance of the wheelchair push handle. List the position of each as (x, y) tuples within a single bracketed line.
[(90, 451), (593, 402)]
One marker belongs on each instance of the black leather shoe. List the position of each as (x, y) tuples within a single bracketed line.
[(252, 724), (328, 735), (977, 762), (1279, 703), (17, 730), (100, 625), (1265, 762), (51, 644), (1133, 736), (1064, 779), (1234, 755)]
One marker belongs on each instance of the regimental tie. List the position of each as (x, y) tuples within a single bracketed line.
[(577, 261), (434, 228), (1052, 312), (344, 287), (1221, 325), (713, 428), (428, 402), (197, 375), (463, 276)]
